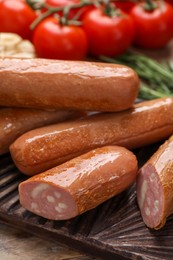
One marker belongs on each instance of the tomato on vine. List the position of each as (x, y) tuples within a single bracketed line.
[(16, 17), (153, 23), (108, 35), (56, 41)]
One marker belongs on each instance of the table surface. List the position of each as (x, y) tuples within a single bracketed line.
[(19, 245)]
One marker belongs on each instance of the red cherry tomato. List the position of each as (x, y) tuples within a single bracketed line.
[(125, 6), (154, 29), (109, 36), (16, 17), (55, 41)]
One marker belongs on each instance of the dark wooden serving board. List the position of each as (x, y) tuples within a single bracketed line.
[(114, 230)]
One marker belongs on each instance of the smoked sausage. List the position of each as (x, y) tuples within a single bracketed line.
[(15, 122), (71, 85), (44, 148), (155, 187), (80, 184)]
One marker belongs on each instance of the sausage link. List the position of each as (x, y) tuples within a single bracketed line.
[(155, 187), (15, 122), (79, 185), (71, 85), (42, 149)]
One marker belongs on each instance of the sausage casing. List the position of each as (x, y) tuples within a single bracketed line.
[(155, 186), (42, 149), (80, 184), (71, 85), (16, 121)]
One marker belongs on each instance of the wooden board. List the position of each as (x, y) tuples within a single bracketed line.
[(114, 230), (16, 244)]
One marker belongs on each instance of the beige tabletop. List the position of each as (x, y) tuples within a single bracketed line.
[(18, 245)]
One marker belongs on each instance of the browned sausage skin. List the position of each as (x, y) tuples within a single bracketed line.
[(15, 122), (42, 149), (155, 187), (71, 85), (80, 184)]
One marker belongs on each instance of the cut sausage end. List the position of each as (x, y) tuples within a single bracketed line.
[(150, 197), (47, 201), (80, 184)]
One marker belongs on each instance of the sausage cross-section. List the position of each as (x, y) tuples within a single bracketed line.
[(155, 186), (16, 121), (44, 148), (71, 85), (80, 184)]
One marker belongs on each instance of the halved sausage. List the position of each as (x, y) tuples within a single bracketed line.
[(15, 122), (79, 185), (71, 85), (44, 148), (155, 187)]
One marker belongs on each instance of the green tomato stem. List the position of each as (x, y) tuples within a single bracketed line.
[(66, 9), (150, 5)]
